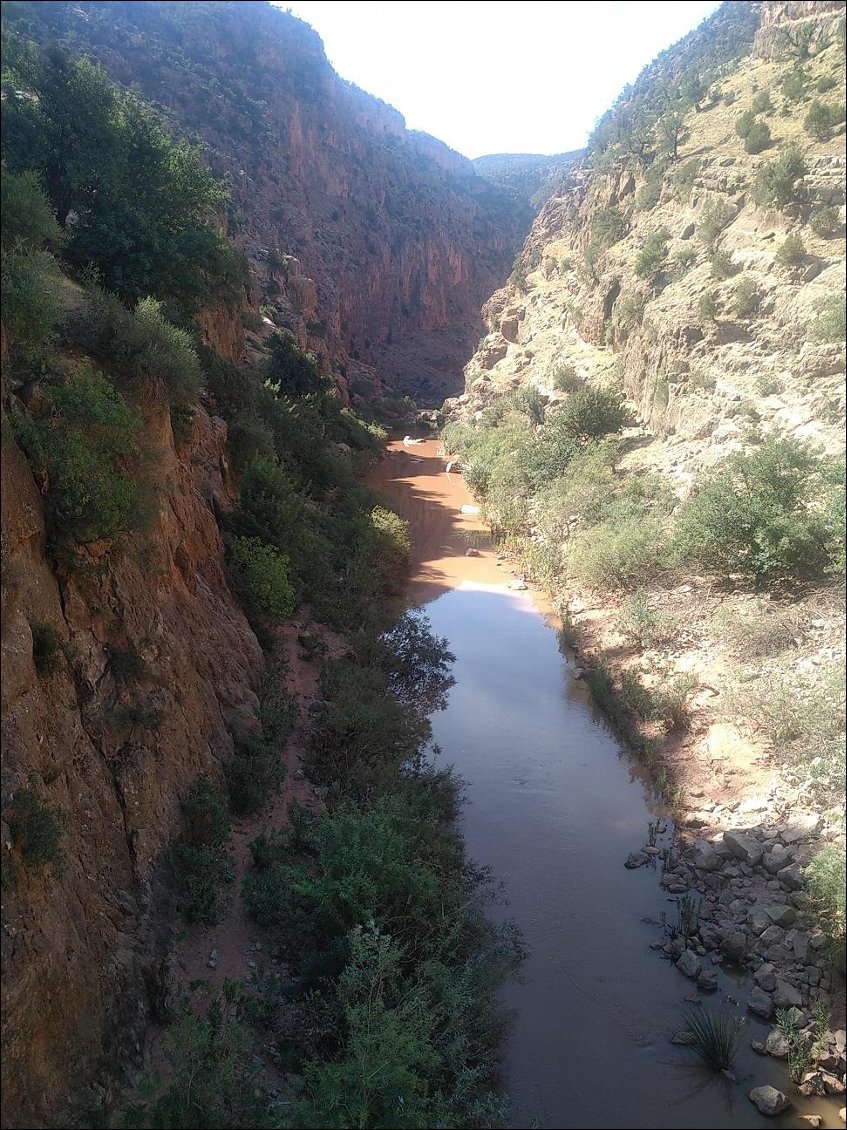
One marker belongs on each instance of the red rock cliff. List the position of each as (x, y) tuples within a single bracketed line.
[(400, 237)]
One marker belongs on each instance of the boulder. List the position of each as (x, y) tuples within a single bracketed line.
[(689, 964), (758, 919), (760, 1003), (786, 996), (704, 857), (707, 982), (777, 1045), (781, 915), (744, 847), (734, 945), (772, 936), (832, 1084), (777, 858), (509, 328), (769, 1100), (791, 877), (811, 1119), (765, 977)]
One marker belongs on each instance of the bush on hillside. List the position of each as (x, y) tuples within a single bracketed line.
[(203, 857), (650, 259), (142, 203), (716, 215), (36, 829), (259, 574), (590, 413), (81, 448), (758, 138), (830, 322), (824, 221), (618, 554), (777, 182), (763, 514), (746, 297), (761, 103), (26, 218), (744, 123), (138, 344), (820, 120), (792, 251)]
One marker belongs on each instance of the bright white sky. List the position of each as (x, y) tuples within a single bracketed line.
[(498, 77)]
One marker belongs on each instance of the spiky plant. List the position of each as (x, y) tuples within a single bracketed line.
[(715, 1036)]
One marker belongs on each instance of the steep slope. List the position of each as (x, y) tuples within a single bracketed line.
[(397, 241)]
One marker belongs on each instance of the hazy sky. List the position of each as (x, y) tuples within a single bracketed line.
[(498, 77)]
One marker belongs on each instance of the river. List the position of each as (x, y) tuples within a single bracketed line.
[(554, 806)]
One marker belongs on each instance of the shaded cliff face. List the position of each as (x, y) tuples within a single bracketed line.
[(157, 674), (398, 240)]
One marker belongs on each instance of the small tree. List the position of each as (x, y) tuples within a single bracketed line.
[(591, 413), (792, 251), (758, 138), (777, 180), (819, 121)]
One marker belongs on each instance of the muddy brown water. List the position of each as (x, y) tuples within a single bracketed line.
[(554, 806)]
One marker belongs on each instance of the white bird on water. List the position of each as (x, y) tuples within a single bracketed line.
[(409, 442)]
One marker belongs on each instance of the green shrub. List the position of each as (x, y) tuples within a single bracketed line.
[(212, 1078), (777, 180), (746, 297), (744, 123), (141, 203), (707, 305), (684, 258), (618, 554), (762, 514), (566, 379), (650, 259), (645, 625), (529, 401), (36, 829), (29, 290), (820, 120), (827, 886), (824, 221), (608, 227), (81, 445), (45, 648), (715, 1036), (683, 179), (203, 858), (792, 251), (138, 344), (716, 215), (649, 194), (26, 218), (793, 84), (590, 413), (722, 264), (291, 372), (830, 322), (758, 138), (761, 103), (259, 575), (826, 83)]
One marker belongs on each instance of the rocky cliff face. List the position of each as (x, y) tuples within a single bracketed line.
[(706, 344), (154, 675), (373, 244)]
